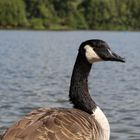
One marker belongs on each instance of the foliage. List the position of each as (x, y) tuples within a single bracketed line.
[(70, 14), (12, 13)]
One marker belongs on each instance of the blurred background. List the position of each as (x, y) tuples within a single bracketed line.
[(39, 41), (70, 14)]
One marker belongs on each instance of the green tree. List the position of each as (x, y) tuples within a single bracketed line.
[(73, 14), (12, 13), (69, 13), (40, 13)]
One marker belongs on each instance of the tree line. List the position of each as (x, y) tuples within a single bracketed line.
[(70, 14)]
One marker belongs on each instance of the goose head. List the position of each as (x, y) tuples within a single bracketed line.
[(98, 50)]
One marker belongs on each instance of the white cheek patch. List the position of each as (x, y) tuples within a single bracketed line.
[(91, 55)]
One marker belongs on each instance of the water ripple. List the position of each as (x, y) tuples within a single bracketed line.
[(35, 70)]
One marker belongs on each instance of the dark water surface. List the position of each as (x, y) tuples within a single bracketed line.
[(35, 70)]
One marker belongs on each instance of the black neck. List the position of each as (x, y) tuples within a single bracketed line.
[(79, 93)]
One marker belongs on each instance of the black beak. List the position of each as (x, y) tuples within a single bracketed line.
[(115, 57), (107, 55)]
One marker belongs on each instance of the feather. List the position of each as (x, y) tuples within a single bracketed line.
[(55, 124)]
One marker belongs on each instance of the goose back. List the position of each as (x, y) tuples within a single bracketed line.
[(55, 124)]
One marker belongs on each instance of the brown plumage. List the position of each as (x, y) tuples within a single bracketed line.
[(54, 124)]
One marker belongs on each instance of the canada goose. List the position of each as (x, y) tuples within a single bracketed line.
[(85, 121)]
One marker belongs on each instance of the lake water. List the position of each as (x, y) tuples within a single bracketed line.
[(36, 66)]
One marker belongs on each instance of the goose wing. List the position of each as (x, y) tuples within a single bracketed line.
[(54, 124)]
